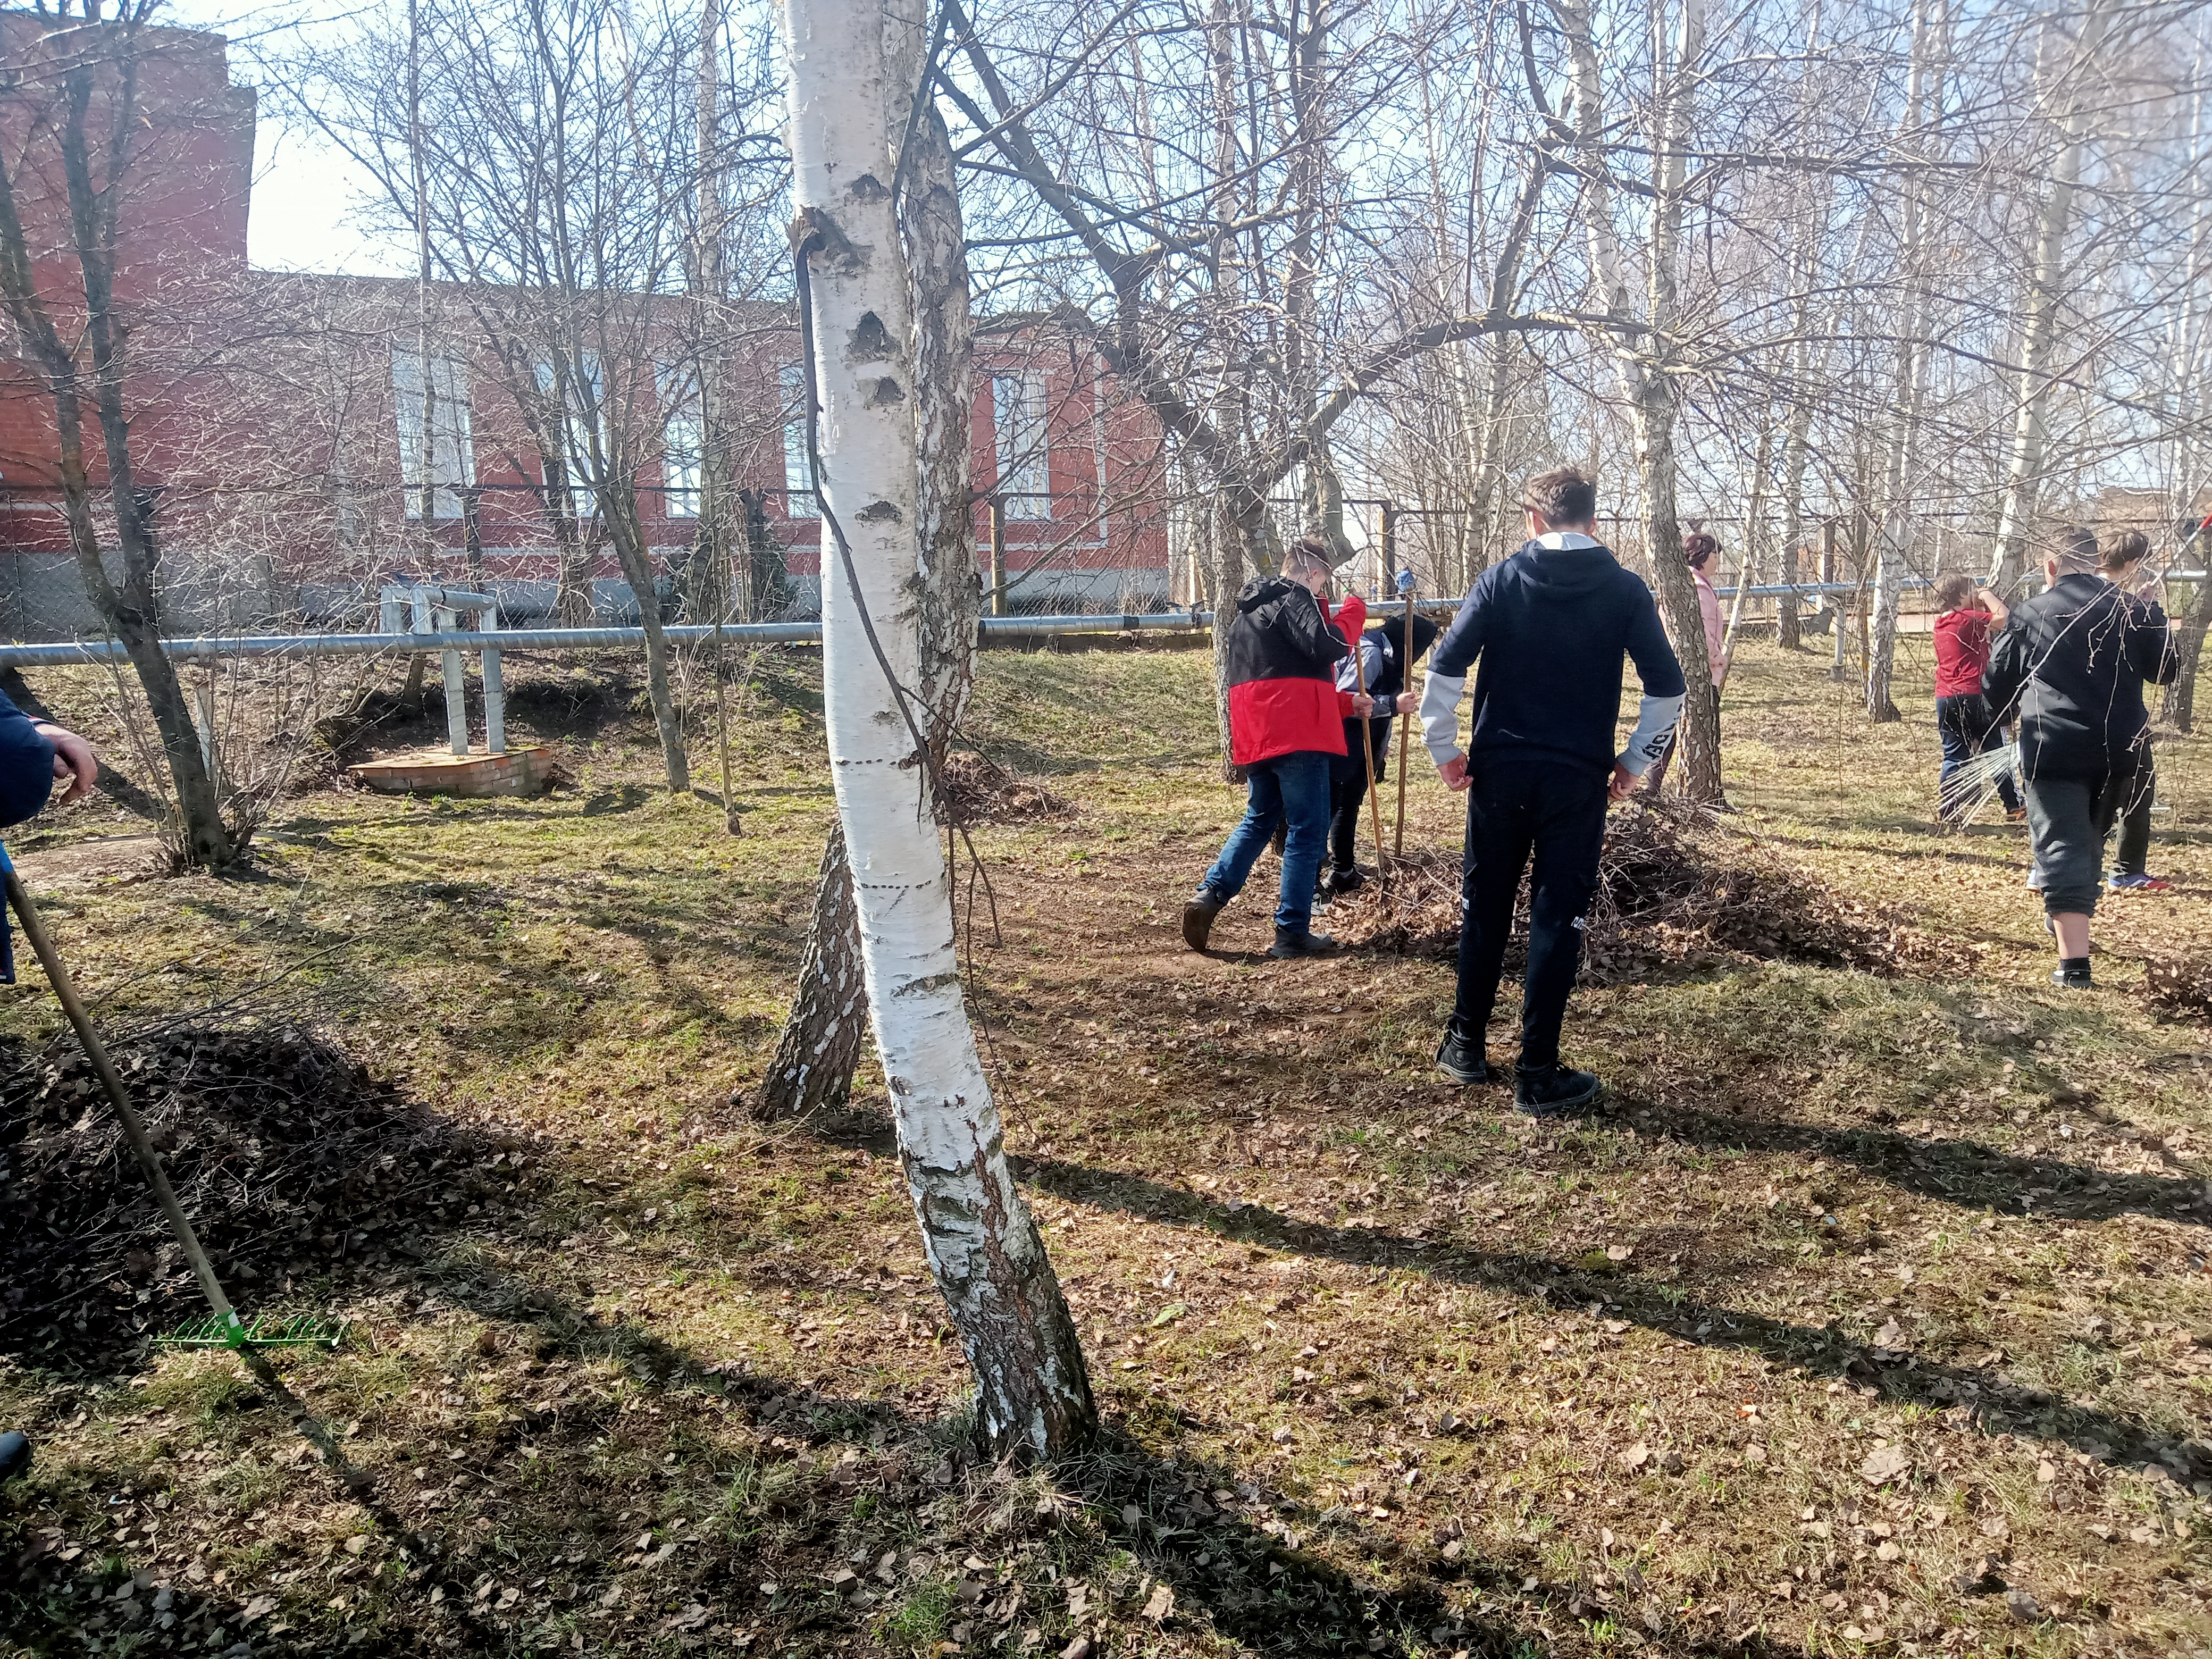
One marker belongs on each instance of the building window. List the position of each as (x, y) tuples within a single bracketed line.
[(452, 451), (683, 443), (577, 414), (798, 475), (1017, 424)]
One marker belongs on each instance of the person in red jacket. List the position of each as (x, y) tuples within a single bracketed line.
[(1969, 617), (1286, 719)]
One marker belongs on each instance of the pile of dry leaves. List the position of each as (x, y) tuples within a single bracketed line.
[(2180, 985), (1674, 888), (978, 790), (293, 1162)]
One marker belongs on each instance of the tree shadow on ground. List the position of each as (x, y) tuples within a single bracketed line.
[(1992, 1403), (1955, 1171)]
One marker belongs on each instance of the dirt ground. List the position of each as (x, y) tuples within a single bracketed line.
[(1871, 1316)]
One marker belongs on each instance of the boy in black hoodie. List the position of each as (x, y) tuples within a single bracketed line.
[(1550, 626), (2069, 670)]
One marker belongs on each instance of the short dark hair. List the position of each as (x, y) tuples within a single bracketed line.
[(1563, 496), (2131, 546), (1698, 547), (1954, 591)]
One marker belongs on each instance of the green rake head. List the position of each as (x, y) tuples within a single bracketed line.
[(298, 1331)]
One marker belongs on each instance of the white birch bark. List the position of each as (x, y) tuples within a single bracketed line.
[(1033, 1394), (2046, 281), (1653, 405), (1924, 97)]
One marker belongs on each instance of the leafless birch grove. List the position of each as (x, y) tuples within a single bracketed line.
[(1871, 290)]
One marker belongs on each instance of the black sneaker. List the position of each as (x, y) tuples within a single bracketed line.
[(1289, 944), (2072, 979), (1462, 1061), (1553, 1090), (1198, 914), (1346, 881), (15, 1456)]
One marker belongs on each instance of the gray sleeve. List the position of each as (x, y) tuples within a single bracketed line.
[(1440, 696), (1655, 729)]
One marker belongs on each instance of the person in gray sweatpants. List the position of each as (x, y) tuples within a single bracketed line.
[(2069, 670)]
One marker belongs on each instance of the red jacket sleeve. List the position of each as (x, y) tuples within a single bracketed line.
[(1351, 619)]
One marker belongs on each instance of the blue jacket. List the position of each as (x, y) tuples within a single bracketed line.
[(26, 766), (1549, 628)]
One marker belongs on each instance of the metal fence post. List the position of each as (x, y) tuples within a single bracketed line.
[(495, 680), (995, 505)]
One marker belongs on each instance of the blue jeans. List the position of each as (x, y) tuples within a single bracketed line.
[(1289, 789), (1968, 730)]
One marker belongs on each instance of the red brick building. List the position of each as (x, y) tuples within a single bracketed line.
[(281, 419)]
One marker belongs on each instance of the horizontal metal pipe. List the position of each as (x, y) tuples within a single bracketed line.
[(545, 638), (211, 646)]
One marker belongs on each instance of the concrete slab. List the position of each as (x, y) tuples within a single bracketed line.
[(437, 771)]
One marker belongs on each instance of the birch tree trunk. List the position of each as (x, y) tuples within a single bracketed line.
[(2046, 281), (1923, 94), (821, 1042), (1645, 379), (1033, 1392)]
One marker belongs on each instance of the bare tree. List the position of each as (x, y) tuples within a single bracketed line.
[(72, 200)]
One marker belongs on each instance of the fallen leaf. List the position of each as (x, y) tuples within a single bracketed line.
[(1891, 1335), (1636, 1457), (1884, 1463), (1619, 1252), (1160, 1603)]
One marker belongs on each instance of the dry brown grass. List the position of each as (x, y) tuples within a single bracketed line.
[(1868, 1320)]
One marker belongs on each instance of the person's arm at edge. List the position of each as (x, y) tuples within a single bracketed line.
[(1446, 682), (1664, 693), (2000, 613)]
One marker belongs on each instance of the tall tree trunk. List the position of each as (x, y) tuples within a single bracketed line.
[(821, 1041), (131, 610), (2180, 702), (827, 1019), (1797, 453), (2046, 282), (1645, 363), (1033, 1392), (717, 587), (619, 508), (936, 244), (1923, 99)]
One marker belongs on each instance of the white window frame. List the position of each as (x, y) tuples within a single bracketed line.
[(583, 500), (683, 442), (1022, 443), (798, 475), (452, 441)]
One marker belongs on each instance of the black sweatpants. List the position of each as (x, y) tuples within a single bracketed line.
[(1517, 808), (1347, 795)]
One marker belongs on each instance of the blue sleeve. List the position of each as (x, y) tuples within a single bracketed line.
[(1655, 661), (1462, 642), (26, 766)]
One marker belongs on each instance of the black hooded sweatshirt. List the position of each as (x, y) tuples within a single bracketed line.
[(1550, 626), (2069, 667)]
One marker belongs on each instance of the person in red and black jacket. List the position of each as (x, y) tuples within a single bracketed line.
[(1286, 722)]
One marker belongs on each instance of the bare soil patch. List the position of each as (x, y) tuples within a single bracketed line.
[(296, 1166)]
